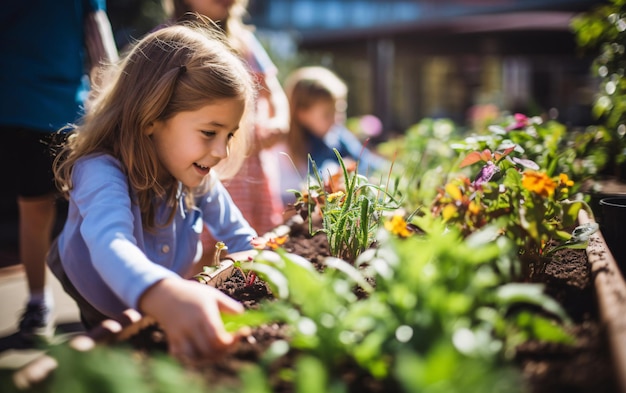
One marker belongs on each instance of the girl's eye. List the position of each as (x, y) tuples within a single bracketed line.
[(231, 136), (209, 133)]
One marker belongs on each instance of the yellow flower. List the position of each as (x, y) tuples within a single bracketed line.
[(539, 183), (398, 226), (335, 195), (473, 208), (565, 181), (454, 191), (275, 242), (449, 211), (261, 243)]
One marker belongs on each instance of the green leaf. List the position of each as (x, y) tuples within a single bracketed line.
[(350, 271), (514, 293), (249, 318)]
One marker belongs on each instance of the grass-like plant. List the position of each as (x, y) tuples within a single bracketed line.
[(350, 206)]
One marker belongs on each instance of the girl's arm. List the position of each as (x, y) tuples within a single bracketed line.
[(189, 312)]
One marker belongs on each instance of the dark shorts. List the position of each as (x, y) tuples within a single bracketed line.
[(26, 157)]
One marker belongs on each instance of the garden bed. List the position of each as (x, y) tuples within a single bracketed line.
[(586, 283), (579, 283)]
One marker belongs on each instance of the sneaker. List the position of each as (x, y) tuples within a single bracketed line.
[(36, 321)]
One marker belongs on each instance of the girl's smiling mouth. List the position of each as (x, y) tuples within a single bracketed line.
[(204, 170)]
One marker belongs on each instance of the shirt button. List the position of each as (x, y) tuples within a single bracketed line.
[(165, 248)]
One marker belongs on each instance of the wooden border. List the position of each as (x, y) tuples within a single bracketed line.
[(611, 295)]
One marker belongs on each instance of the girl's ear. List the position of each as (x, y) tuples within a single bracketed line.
[(149, 130)]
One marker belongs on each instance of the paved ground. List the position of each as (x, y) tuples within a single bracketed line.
[(14, 351)]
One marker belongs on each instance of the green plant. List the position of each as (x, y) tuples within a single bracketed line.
[(603, 31), (108, 369), (512, 190), (437, 304), (350, 207), (423, 156)]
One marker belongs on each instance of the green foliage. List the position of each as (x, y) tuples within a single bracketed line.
[(439, 304), (519, 188), (423, 156), (112, 370), (603, 31)]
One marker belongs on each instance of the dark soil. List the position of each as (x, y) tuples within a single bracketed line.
[(587, 365)]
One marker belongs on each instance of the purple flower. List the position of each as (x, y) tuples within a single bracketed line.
[(521, 121), (486, 173)]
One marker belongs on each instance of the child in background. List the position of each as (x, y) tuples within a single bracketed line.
[(252, 188), (317, 102), (140, 175)]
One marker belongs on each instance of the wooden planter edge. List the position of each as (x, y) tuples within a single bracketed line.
[(610, 289)]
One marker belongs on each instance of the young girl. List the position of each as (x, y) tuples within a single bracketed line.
[(140, 175), (252, 188), (317, 102)]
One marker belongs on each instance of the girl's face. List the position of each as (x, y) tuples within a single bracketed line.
[(214, 9), (318, 118), (190, 143)]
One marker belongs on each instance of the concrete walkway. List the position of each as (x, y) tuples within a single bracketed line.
[(14, 351)]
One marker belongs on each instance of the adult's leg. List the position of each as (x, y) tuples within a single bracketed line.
[(37, 212), (36, 218)]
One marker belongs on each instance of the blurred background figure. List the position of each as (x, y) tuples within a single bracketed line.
[(318, 102), (45, 46), (251, 187)]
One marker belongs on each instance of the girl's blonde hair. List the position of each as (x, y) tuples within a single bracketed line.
[(175, 69), (306, 87), (179, 10)]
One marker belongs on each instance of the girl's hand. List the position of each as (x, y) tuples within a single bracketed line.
[(189, 313)]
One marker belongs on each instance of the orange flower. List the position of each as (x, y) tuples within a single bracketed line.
[(261, 243), (276, 242), (473, 208), (398, 226), (539, 183)]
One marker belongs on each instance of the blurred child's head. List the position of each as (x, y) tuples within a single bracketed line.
[(317, 101), (223, 12)]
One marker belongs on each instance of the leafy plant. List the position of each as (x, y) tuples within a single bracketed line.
[(438, 305), (513, 191), (603, 31)]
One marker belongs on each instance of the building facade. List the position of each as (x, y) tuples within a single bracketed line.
[(408, 60)]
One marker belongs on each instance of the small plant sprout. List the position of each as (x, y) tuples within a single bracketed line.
[(220, 248), (205, 275), (260, 244)]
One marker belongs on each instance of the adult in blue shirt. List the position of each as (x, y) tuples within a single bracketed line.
[(45, 47)]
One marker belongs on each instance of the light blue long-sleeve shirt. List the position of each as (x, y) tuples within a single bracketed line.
[(111, 259)]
